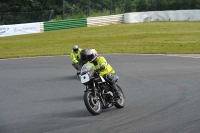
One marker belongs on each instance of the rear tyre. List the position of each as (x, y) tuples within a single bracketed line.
[(92, 103)]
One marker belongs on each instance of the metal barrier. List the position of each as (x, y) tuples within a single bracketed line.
[(65, 24), (105, 20)]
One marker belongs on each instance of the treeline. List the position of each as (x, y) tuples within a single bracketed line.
[(155, 5), (37, 9)]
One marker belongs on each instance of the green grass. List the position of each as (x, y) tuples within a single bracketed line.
[(144, 38)]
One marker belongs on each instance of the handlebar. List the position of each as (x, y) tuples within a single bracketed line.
[(97, 70)]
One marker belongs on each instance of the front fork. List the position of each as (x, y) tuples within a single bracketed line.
[(97, 95), (96, 89)]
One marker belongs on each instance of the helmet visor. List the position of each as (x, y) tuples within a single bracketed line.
[(91, 57), (75, 50)]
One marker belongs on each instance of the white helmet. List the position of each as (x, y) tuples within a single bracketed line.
[(93, 51), (75, 48), (92, 55)]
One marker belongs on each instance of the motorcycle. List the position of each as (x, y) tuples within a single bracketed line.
[(99, 93)]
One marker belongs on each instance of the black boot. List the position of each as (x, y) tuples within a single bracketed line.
[(75, 65)]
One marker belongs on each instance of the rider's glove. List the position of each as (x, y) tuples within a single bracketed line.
[(102, 68)]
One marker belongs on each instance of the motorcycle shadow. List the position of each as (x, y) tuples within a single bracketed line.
[(64, 78), (65, 99), (74, 98), (79, 113), (68, 114), (71, 77)]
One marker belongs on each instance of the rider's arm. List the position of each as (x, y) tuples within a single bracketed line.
[(103, 63), (73, 58)]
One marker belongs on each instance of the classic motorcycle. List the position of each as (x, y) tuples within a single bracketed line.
[(99, 93)]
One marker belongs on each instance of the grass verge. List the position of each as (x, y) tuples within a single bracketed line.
[(145, 38)]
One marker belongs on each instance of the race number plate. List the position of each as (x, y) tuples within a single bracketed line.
[(85, 78)]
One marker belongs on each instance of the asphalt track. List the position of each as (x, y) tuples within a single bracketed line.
[(42, 95)]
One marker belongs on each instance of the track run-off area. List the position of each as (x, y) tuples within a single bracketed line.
[(43, 95)]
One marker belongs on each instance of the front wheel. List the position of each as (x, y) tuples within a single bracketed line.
[(92, 103), (120, 102)]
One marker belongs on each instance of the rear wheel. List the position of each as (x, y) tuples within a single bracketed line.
[(92, 103), (120, 102)]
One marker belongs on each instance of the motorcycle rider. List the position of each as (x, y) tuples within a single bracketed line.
[(106, 69), (83, 59), (75, 56)]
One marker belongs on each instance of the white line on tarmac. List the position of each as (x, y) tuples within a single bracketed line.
[(196, 56)]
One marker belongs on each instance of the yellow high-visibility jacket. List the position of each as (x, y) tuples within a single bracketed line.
[(101, 61), (75, 56)]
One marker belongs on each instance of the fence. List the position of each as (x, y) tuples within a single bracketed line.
[(25, 17), (92, 8)]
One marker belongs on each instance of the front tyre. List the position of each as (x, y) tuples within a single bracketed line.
[(92, 103), (120, 102)]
